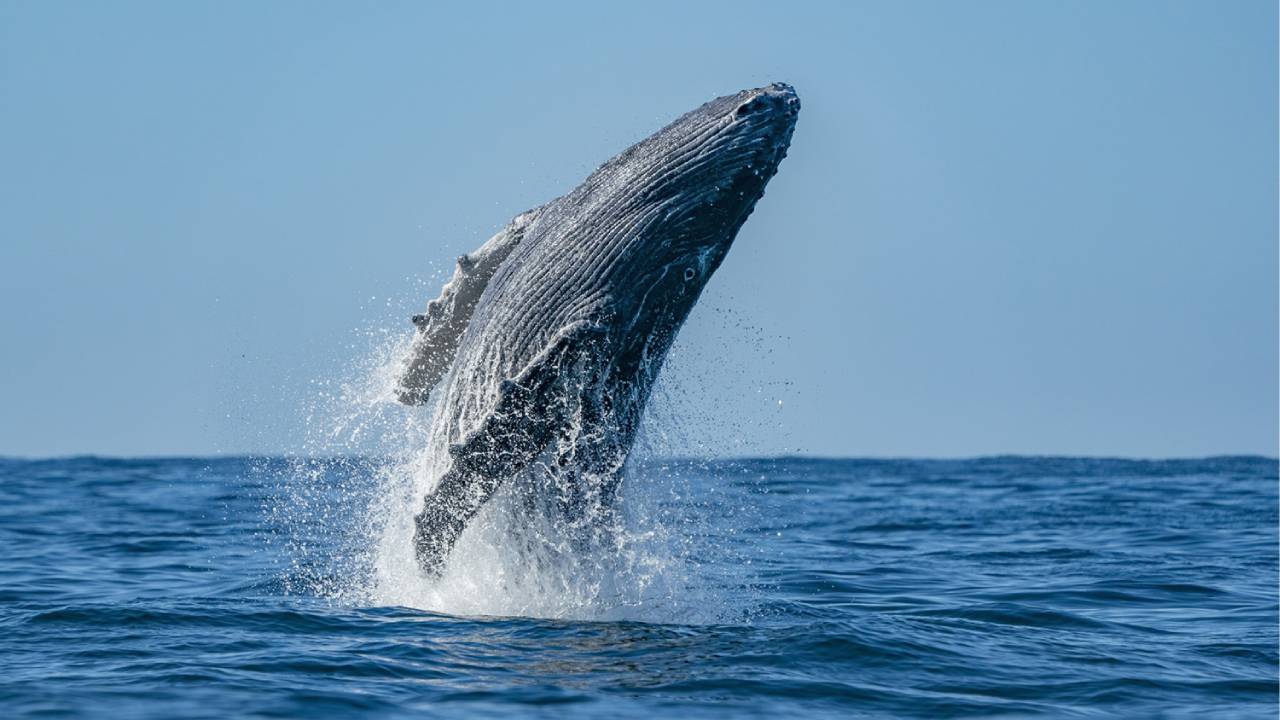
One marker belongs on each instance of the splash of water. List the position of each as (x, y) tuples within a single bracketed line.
[(351, 497)]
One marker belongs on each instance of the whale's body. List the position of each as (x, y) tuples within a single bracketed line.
[(548, 338)]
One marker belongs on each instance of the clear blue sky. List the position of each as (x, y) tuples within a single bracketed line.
[(1032, 227)]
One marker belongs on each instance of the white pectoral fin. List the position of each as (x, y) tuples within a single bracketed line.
[(441, 327)]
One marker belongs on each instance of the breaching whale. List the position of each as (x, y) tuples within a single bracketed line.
[(548, 338)]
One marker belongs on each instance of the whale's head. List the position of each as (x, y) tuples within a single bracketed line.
[(679, 198)]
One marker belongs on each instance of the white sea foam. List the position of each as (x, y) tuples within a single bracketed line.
[(350, 516)]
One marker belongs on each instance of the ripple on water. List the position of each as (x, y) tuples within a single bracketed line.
[(999, 586)]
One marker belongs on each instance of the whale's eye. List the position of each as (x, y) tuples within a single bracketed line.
[(688, 274)]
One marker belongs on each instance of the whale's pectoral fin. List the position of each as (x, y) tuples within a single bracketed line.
[(441, 327), (529, 414)]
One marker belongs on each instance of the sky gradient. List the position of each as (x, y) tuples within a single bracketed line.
[(1002, 227)]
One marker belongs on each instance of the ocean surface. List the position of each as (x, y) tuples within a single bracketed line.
[(1016, 587)]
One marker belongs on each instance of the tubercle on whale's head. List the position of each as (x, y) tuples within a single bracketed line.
[(770, 110)]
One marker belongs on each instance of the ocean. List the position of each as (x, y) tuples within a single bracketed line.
[(788, 587)]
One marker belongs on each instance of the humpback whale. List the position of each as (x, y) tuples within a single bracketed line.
[(543, 347)]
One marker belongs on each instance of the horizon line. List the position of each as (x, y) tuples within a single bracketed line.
[(671, 459)]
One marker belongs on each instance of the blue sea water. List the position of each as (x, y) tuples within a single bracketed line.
[(1019, 587)]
